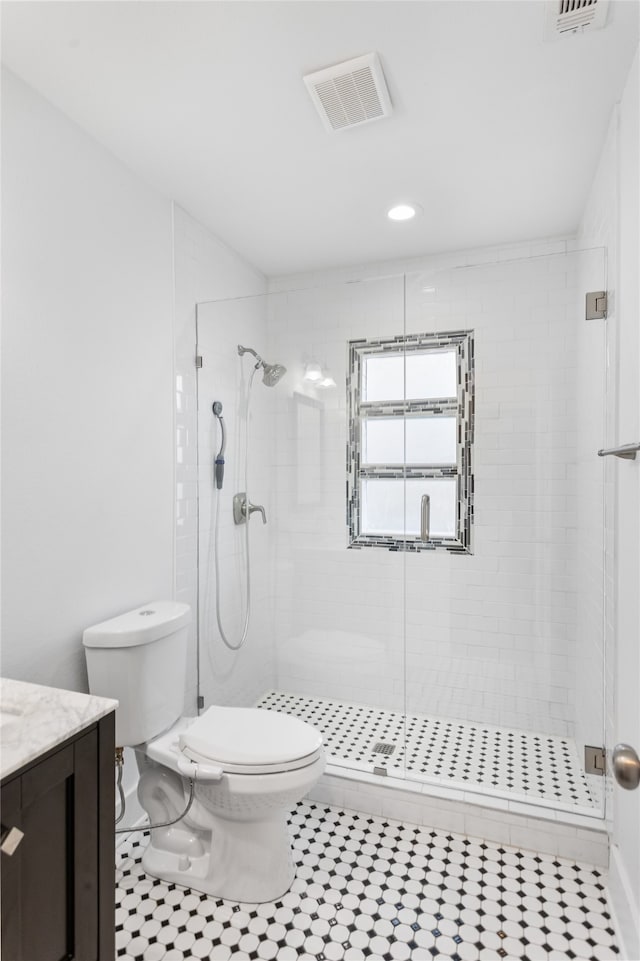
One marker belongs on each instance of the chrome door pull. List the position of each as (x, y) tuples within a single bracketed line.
[(626, 766), (425, 516), (628, 451)]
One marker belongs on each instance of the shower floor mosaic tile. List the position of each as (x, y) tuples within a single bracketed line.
[(372, 888), (460, 753)]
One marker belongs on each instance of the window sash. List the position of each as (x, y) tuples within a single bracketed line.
[(448, 414), (460, 407)]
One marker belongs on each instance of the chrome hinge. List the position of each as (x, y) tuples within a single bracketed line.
[(595, 760), (198, 361), (380, 771), (596, 305), (200, 702)]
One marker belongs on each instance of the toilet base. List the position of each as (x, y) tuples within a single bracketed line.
[(233, 842), (242, 860)]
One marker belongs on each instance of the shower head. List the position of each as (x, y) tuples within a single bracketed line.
[(272, 373)]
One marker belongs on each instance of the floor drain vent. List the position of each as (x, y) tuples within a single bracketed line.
[(382, 748)]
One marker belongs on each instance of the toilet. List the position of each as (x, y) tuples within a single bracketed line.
[(248, 767)]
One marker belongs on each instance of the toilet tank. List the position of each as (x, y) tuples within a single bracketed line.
[(140, 658)]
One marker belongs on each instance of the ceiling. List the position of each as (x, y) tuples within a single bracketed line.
[(494, 132)]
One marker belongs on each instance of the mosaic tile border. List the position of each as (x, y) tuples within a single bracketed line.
[(462, 406)]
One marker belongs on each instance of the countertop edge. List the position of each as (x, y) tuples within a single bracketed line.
[(36, 719)]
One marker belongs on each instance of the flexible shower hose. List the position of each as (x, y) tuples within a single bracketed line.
[(247, 616)]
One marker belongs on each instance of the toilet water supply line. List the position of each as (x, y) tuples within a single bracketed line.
[(144, 827), (219, 468)]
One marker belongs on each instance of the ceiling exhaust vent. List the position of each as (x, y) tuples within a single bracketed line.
[(567, 17), (350, 93)]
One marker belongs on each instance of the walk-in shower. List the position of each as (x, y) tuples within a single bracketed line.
[(469, 654)]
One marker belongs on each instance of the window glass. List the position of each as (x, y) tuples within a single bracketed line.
[(383, 377), (429, 440), (428, 375), (384, 506), (431, 375)]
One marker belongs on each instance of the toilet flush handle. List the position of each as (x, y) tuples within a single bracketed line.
[(199, 772)]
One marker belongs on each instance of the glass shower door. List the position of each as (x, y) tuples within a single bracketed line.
[(504, 585), (326, 637)]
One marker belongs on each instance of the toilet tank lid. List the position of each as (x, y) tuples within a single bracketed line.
[(146, 624)]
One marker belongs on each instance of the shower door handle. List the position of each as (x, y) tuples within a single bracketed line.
[(425, 517)]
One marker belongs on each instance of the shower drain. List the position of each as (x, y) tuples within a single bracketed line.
[(382, 748)]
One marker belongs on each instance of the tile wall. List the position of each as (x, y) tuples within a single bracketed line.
[(489, 637)]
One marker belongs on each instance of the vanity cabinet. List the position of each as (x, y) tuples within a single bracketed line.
[(58, 887)]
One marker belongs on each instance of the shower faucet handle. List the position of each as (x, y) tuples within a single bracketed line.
[(243, 509), (257, 507)]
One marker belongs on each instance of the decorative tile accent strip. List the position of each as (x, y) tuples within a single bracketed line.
[(461, 753), (372, 888)]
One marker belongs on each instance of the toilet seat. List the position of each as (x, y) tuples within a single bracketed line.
[(240, 741)]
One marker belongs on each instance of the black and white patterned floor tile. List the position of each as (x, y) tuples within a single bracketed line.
[(367, 888), (459, 752)]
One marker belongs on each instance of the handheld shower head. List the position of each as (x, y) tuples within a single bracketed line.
[(219, 459)]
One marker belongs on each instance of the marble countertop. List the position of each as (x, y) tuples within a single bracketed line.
[(34, 719)]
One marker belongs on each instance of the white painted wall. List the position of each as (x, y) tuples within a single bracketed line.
[(207, 270), (88, 478), (489, 637)]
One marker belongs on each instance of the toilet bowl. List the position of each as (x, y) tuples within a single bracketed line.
[(244, 768), (249, 768)]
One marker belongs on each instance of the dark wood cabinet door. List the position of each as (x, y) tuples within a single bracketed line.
[(46, 854), (11, 874), (58, 887)]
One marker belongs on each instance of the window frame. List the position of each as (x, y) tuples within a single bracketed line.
[(462, 406)]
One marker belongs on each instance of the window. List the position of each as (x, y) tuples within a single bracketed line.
[(410, 482)]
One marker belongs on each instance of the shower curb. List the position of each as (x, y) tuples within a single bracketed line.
[(574, 836)]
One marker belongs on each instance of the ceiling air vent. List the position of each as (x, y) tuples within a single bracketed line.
[(566, 17), (350, 93)]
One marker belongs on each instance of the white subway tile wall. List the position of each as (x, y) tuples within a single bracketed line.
[(490, 637)]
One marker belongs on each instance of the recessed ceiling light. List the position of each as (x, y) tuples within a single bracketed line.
[(403, 211)]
